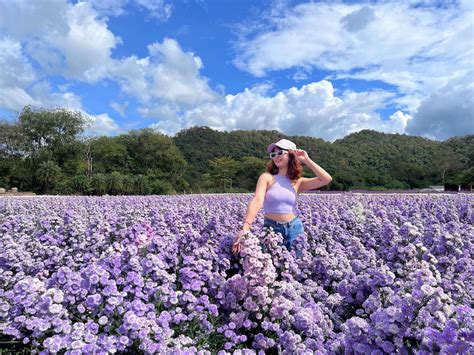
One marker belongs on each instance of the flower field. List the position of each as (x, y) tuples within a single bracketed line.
[(154, 274)]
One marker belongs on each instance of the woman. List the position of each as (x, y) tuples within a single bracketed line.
[(277, 190)]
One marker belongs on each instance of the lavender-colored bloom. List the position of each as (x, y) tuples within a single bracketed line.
[(104, 273), (55, 308)]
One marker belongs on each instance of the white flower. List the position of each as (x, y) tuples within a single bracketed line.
[(58, 296), (55, 308), (427, 289), (77, 344)]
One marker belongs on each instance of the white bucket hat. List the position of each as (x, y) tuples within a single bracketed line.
[(283, 144)]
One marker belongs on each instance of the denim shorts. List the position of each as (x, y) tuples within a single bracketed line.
[(289, 230)]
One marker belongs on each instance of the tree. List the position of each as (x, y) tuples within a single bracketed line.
[(12, 139), (116, 183), (109, 155), (410, 173), (201, 144), (99, 184), (446, 160), (223, 171), (68, 156), (248, 171), (161, 187), (151, 150), (81, 183), (49, 128), (141, 185), (48, 174), (87, 154), (464, 177)]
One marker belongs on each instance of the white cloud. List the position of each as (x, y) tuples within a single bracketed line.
[(359, 19), (159, 10), (65, 39), (167, 127), (301, 75), (418, 49), (87, 44), (176, 74), (160, 112), (20, 85), (102, 125), (74, 41), (447, 112), (168, 74), (424, 53), (15, 76), (14, 98), (47, 98), (131, 73), (109, 7), (119, 107), (311, 110), (25, 19)]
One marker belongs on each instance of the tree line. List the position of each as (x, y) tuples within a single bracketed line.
[(46, 151)]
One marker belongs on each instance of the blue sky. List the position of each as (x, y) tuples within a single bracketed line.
[(321, 69)]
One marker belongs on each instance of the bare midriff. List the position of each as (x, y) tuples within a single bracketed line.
[(280, 217)]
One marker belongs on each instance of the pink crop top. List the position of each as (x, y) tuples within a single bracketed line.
[(281, 196)]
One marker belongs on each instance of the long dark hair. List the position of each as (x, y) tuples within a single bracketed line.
[(294, 172)]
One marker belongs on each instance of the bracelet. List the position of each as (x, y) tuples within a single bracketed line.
[(244, 234)]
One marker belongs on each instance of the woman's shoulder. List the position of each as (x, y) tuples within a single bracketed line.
[(266, 176)]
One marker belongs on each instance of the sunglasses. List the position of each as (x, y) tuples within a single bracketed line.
[(280, 152)]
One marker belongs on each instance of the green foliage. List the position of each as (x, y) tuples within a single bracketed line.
[(450, 159), (48, 174), (12, 140), (141, 185), (248, 172), (43, 152), (8, 346), (462, 177), (116, 183), (199, 145), (68, 156), (7, 172), (223, 171), (108, 155), (409, 173), (18, 172), (99, 184), (50, 128), (150, 150), (161, 187), (64, 187), (82, 184), (338, 184)]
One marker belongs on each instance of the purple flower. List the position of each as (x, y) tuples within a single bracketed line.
[(96, 275)]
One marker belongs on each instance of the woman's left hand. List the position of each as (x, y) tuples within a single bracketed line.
[(300, 154)]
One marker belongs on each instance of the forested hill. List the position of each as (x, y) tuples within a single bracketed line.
[(366, 159), (45, 151)]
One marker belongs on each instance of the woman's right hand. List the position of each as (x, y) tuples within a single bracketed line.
[(236, 246)]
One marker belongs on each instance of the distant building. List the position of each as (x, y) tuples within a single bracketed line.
[(455, 187), (433, 189), (452, 187)]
